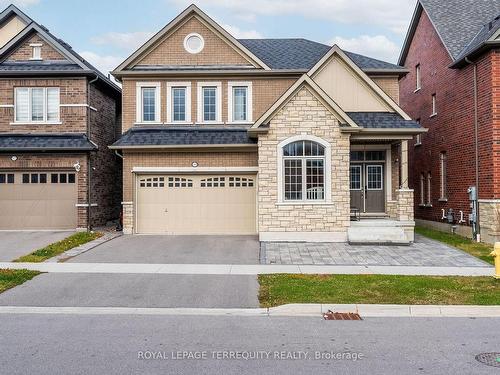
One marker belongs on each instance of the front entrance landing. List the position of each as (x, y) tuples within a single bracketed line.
[(424, 252)]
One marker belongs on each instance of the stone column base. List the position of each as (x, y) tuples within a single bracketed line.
[(128, 217), (489, 220), (405, 204)]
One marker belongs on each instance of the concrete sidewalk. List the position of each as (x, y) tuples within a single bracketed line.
[(236, 269), (291, 310)]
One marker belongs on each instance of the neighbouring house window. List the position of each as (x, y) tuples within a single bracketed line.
[(418, 137), (422, 189), (443, 175), (36, 51), (36, 104), (209, 102), (304, 171), (6, 178), (434, 109), (148, 102), (240, 102), (418, 78), (429, 188)]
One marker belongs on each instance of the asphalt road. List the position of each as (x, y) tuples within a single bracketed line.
[(134, 290), (63, 344)]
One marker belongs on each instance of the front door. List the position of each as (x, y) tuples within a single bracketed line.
[(367, 187)]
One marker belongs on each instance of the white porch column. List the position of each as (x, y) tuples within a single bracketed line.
[(404, 164)]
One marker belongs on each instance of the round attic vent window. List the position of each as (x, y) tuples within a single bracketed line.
[(194, 43)]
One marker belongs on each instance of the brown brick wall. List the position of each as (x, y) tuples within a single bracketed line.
[(106, 175), (53, 162), (72, 91), (265, 93), (390, 85), (181, 159), (25, 51), (452, 130), (171, 50)]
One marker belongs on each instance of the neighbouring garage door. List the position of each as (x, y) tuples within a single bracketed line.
[(196, 204), (38, 200)]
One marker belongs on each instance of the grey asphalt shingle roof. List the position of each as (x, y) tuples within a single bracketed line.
[(459, 21), (178, 136), (484, 35), (303, 54), (33, 66), (382, 120), (45, 142)]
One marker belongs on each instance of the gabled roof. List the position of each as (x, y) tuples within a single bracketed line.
[(12, 10), (190, 11), (456, 22), (304, 81), (303, 54), (78, 63), (487, 37), (336, 51)]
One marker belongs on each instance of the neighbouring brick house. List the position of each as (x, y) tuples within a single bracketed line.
[(284, 138), (58, 115), (452, 88)]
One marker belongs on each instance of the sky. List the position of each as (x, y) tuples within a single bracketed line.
[(106, 32)]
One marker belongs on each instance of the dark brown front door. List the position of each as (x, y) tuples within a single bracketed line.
[(367, 187)]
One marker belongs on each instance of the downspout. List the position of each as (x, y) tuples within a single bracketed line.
[(89, 164), (476, 146)]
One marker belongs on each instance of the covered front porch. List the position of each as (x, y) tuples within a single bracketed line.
[(381, 203)]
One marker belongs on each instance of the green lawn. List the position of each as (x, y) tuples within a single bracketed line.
[(59, 247), (281, 289), (11, 278), (478, 249)]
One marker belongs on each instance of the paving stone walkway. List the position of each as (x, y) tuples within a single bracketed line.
[(424, 252)]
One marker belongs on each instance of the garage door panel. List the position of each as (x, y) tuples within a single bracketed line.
[(196, 205), (38, 205)]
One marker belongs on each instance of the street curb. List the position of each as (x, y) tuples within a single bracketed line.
[(290, 310), (242, 270)]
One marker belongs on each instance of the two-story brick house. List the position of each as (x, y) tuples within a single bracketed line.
[(58, 115), (453, 57), (285, 138)]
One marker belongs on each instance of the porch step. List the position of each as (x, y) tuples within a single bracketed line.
[(377, 233)]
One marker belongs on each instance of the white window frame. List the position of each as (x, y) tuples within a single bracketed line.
[(422, 189), (36, 47), (327, 171), (434, 105), (170, 102), (218, 104), (429, 189), (138, 103), (194, 51), (249, 104), (418, 77), (443, 176), (45, 107)]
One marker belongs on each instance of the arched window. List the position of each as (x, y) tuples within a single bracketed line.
[(303, 174)]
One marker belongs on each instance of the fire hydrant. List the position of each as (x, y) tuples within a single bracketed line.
[(496, 254)]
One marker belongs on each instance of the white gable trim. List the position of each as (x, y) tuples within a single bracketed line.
[(193, 10), (316, 91), (335, 50)]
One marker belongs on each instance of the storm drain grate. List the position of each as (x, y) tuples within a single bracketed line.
[(330, 315), (490, 359)]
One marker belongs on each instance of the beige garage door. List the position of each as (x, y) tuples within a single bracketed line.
[(38, 200), (195, 204)]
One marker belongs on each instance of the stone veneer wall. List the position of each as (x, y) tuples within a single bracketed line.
[(489, 220), (304, 114)]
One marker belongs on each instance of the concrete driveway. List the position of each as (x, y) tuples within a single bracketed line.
[(134, 290), (15, 244), (175, 250)]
